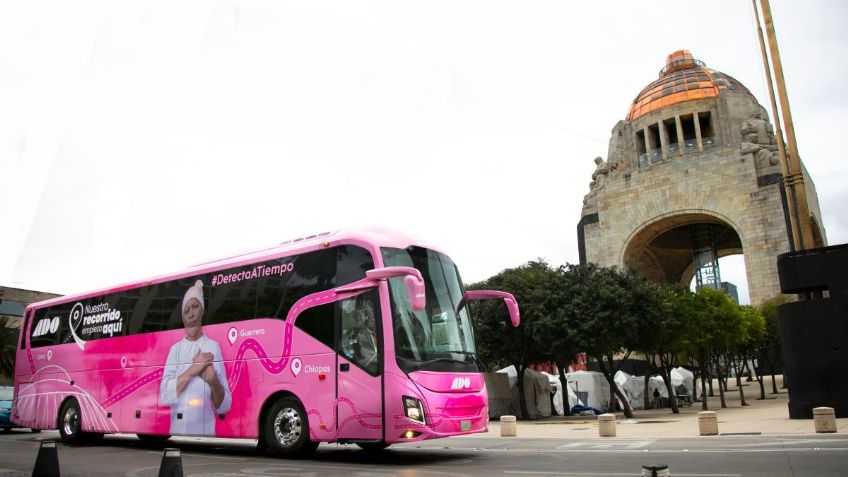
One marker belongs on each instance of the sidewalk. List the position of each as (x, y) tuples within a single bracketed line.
[(767, 417)]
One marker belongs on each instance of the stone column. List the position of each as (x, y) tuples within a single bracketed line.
[(681, 143), (648, 144), (663, 139), (698, 131)]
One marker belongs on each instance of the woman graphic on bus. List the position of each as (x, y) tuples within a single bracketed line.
[(194, 384)]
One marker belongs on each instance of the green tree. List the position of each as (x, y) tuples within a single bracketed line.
[(498, 342), (559, 328), (721, 327), (668, 337), (752, 328), (770, 343), (8, 347), (607, 306)]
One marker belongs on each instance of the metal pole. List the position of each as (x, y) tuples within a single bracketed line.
[(795, 178), (781, 147)]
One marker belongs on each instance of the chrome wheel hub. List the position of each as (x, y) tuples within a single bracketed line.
[(287, 426), (71, 422)]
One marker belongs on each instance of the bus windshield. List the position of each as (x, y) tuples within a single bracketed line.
[(438, 338)]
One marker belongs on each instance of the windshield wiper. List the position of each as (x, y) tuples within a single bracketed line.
[(436, 360), (473, 355)]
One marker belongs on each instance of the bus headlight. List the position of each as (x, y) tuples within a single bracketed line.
[(413, 409)]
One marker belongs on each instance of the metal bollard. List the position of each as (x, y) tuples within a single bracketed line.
[(606, 425), (825, 419), (655, 470), (708, 423), (47, 461), (508, 426)]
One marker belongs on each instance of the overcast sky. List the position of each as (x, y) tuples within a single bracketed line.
[(137, 138)]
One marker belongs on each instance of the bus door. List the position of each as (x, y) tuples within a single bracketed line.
[(360, 401)]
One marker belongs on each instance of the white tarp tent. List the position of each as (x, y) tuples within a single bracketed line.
[(591, 387), (657, 383), (683, 377), (637, 386), (633, 387), (557, 383)]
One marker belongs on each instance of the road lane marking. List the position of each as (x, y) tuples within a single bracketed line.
[(624, 443), (611, 474)]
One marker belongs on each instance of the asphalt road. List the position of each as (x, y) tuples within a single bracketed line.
[(724, 456)]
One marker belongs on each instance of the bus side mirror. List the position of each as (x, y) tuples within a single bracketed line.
[(412, 280), (511, 304)]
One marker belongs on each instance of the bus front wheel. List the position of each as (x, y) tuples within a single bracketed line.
[(373, 446), (286, 429)]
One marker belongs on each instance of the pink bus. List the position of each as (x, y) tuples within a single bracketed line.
[(359, 336)]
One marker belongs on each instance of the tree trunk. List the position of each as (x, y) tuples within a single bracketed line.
[(566, 407), (709, 375), (737, 371), (646, 398), (720, 377), (773, 377), (521, 398), (703, 390), (628, 412), (760, 381), (672, 396)]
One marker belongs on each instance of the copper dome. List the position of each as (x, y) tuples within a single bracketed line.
[(682, 79)]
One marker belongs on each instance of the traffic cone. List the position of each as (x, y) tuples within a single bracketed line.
[(47, 461), (655, 470), (172, 464)]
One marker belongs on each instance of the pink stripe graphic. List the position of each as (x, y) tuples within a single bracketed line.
[(357, 416)]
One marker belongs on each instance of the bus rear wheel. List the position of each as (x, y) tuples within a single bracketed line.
[(70, 424), (286, 429)]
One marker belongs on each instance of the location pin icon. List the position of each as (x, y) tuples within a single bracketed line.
[(123, 361), (232, 335), (295, 366)]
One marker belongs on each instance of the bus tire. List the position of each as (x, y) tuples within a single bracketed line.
[(70, 422), (286, 429), (373, 446), (70, 425)]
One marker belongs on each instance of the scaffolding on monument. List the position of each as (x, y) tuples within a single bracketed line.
[(706, 258)]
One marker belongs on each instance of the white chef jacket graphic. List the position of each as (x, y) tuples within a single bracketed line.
[(195, 402)]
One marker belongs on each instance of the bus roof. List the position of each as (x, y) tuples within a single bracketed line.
[(376, 236)]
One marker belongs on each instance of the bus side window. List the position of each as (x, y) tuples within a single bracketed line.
[(230, 302), (319, 323), (352, 264), (305, 274)]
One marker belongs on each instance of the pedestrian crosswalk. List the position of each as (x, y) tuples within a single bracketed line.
[(610, 443)]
